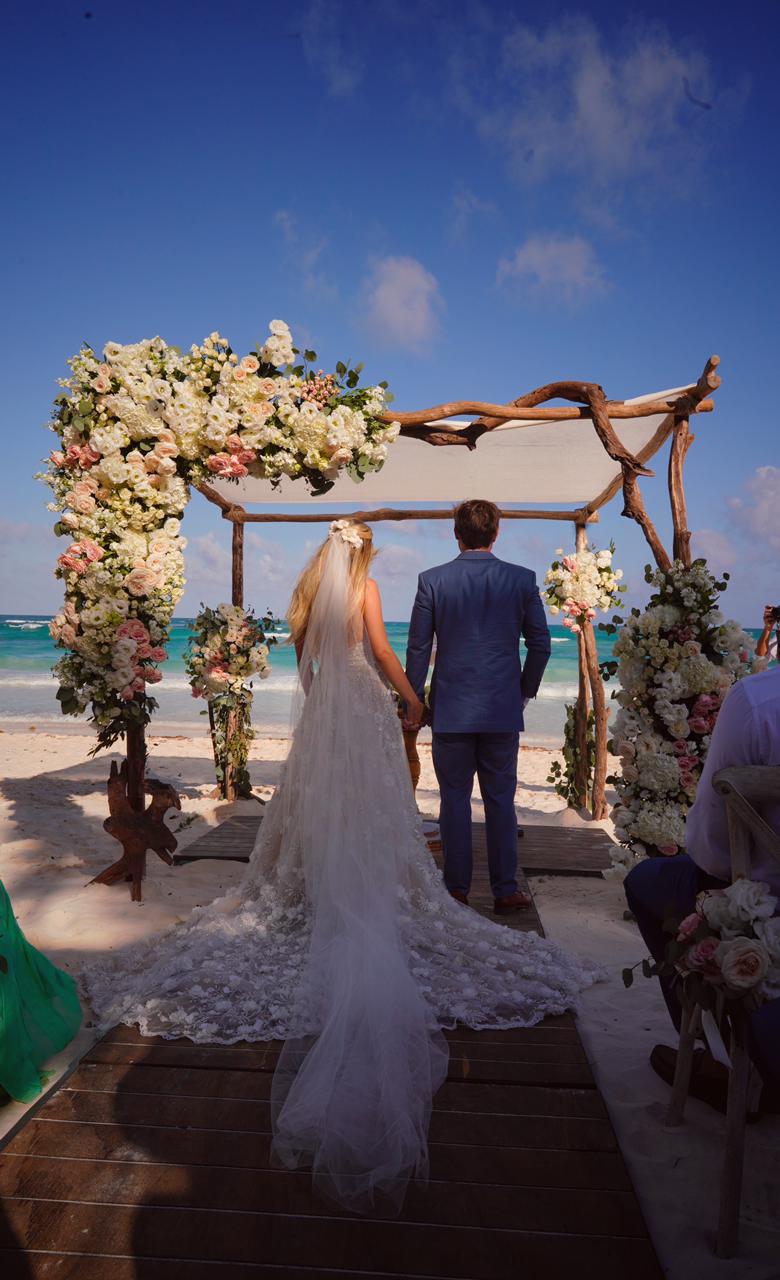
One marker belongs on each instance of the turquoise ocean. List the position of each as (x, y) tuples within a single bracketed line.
[(27, 688)]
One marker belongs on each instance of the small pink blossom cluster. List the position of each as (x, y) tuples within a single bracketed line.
[(76, 455), (80, 555), (575, 611), (144, 651), (233, 463), (688, 762), (320, 389), (704, 713)]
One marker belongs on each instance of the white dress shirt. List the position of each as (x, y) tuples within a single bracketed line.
[(747, 732)]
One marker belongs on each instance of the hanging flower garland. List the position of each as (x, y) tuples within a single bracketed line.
[(675, 662), (229, 647), (580, 585), (136, 429)]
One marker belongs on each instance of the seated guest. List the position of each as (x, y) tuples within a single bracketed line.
[(39, 1010), (747, 732)]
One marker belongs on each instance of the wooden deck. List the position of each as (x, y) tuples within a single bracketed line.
[(151, 1163), (553, 850)]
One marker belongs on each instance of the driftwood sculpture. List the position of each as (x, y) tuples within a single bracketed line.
[(137, 830)]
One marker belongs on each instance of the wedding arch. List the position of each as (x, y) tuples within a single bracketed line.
[(554, 460), (146, 416)]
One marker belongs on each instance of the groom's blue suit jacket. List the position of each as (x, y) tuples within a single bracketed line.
[(477, 607)]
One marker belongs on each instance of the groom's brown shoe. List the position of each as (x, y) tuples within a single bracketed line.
[(459, 897), (513, 902)]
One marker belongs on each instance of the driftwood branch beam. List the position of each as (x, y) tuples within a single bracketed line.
[(682, 439), (239, 515), (553, 413), (634, 509)]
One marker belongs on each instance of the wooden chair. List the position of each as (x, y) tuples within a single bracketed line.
[(741, 788)]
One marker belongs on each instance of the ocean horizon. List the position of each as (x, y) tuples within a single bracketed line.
[(28, 689)]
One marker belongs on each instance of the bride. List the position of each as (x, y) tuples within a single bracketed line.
[(341, 939)]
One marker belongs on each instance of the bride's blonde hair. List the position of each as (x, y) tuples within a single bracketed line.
[(305, 589)]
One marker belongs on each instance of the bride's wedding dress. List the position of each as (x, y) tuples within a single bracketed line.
[(341, 940)]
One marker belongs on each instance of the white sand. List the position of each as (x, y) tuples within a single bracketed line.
[(52, 841)]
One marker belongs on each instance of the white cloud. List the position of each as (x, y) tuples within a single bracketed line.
[(326, 52), (208, 562), (608, 108), (265, 562), (304, 251), (716, 548), (395, 563), (466, 205), (402, 302), (756, 515), (566, 266)]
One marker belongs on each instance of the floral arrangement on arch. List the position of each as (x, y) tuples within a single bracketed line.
[(135, 429), (581, 584), (228, 647), (675, 662), (726, 949)]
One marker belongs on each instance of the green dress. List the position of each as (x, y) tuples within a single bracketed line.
[(39, 1009)]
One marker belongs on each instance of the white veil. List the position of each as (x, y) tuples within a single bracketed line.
[(352, 1095)]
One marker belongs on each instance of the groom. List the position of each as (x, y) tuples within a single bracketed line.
[(478, 607)]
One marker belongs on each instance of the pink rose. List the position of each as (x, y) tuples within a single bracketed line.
[(698, 724), (680, 747), (133, 628), (127, 693), (234, 443), (157, 653), (89, 457), (688, 926), (668, 850), (701, 958), (58, 458), (151, 675), (91, 550)]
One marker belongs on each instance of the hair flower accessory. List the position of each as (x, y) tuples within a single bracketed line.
[(347, 531)]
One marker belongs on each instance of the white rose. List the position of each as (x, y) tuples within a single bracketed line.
[(751, 900), (744, 962)]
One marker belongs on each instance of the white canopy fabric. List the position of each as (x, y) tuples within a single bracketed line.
[(522, 461)]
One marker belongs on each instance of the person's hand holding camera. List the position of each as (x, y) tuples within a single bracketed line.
[(771, 620)]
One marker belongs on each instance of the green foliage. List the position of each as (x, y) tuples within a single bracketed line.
[(563, 775)]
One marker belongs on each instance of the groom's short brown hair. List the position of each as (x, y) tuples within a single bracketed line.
[(476, 523)]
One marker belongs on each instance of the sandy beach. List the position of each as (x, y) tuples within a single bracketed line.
[(53, 806)]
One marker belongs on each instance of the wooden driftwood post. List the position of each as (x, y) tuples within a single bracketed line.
[(137, 828), (235, 717), (598, 803), (582, 710)]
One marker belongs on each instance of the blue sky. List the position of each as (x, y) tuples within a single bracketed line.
[(472, 199)]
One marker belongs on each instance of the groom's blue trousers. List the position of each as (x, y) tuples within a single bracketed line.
[(492, 757), (657, 884)]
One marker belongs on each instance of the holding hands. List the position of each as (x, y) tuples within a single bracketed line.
[(415, 713)]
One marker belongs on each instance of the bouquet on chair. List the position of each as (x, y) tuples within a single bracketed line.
[(726, 950)]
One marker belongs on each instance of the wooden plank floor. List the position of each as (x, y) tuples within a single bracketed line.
[(151, 1163), (555, 850)]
